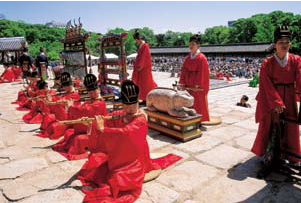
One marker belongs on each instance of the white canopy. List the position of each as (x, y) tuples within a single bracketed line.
[(92, 57), (111, 56), (134, 55)]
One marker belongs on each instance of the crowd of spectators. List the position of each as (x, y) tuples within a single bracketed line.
[(245, 67)]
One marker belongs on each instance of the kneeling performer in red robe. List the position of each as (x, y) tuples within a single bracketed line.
[(119, 156), (279, 82), (8, 74), (59, 109), (73, 145), (39, 108)]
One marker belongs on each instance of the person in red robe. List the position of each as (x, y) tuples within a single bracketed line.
[(279, 85), (59, 109), (195, 77), (17, 71), (73, 145), (24, 101), (8, 74), (142, 73), (39, 108), (227, 75), (119, 155), (220, 75)]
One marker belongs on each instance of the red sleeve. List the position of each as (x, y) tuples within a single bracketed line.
[(142, 55), (298, 77), (204, 75), (267, 89), (183, 73)]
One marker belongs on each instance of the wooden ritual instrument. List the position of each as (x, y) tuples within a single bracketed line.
[(275, 153), (176, 85), (89, 120)]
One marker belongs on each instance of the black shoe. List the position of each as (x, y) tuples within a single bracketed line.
[(202, 128)]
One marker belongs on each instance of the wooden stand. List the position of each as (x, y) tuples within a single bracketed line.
[(117, 106), (183, 129), (75, 43), (112, 40), (108, 97)]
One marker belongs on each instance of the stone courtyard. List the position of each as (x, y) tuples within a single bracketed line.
[(217, 167)]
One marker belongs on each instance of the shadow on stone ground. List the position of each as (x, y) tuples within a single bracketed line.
[(283, 185)]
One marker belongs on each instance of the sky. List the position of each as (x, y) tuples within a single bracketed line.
[(178, 16)]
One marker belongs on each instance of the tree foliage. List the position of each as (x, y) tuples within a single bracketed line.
[(257, 28)]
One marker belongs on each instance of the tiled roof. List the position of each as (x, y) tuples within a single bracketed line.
[(229, 48), (11, 43)]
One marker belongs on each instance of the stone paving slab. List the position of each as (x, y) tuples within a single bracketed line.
[(224, 189), (248, 124), (57, 196), (227, 132), (187, 176), (200, 144), (54, 157), (20, 167), (157, 192), (223, 156), (19, 189), (246, 142)]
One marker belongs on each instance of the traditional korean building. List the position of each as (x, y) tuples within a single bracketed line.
[(11, 48), (224, 50)]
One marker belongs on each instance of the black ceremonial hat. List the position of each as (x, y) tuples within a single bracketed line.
[(90, 82), (66, 79), (195, 38), (41, 84), (34, 74), (129, 92), (282, 31), (136, 35)]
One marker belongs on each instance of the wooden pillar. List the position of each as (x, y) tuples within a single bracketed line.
[(85, 58)]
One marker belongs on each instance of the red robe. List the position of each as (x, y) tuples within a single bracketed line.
[(17, 72), (119, 160), (76, 82), (23, 97), (196, 72), (144, 78), (219, 75), (39, 109), (50, 126), (7, 76), (73, 145), (271, 93)]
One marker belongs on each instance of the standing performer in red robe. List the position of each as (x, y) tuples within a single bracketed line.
[(280, 81), (8, 74), (59, 110), (119, 155), (142, 73), (195, 77), (75, 141)]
